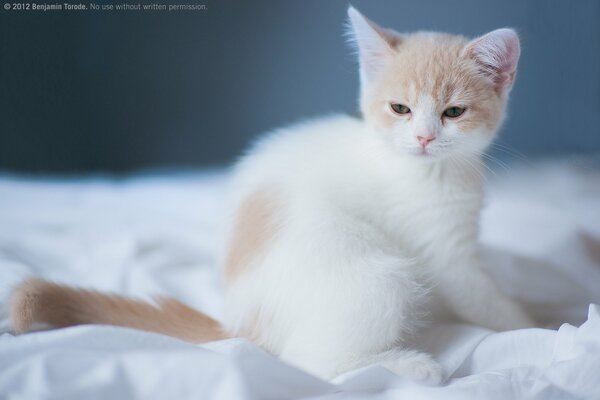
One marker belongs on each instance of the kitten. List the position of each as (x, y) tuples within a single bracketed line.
[(343, 228)]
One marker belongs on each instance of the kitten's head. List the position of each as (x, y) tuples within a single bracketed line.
[(434, 95)]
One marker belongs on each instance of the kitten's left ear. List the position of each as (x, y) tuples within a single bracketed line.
[(497, 55), (375, 44)]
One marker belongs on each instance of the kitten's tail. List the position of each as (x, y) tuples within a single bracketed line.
[(39, 301)]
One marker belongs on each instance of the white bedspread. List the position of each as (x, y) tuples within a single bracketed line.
[(149, 235)]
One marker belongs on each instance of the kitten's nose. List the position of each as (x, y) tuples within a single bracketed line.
[(425, 140)]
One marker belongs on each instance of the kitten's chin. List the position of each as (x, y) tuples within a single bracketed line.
[(418, 153)]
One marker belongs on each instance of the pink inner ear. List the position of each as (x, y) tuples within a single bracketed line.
[(497, 54)]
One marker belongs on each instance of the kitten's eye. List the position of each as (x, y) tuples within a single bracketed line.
[(453, 112), (399, 108)]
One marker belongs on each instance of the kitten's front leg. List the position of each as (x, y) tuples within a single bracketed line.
[(474, 297)]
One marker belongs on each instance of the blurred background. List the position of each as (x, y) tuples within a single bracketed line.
[(120, 91)]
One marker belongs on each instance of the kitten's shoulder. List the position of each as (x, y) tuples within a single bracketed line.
[(307, 145), (315, 135), (308, 131)]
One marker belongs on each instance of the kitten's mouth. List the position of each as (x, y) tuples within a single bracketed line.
[(423, 152), (420, 152), (427, 154)]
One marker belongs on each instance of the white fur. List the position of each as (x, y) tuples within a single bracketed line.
[(364, 231), (369, 234)]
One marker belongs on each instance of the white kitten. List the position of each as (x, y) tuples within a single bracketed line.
[(342, 228)]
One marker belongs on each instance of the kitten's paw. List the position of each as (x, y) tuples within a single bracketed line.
[(427, 372), (419, 367)]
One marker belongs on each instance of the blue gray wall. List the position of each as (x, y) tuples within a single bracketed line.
[(118, 91)]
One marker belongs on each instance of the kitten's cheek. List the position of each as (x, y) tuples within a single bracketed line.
[(481, 140), (398, 143), (401, 146)]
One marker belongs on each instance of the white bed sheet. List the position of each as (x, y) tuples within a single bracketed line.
[(148, 235)]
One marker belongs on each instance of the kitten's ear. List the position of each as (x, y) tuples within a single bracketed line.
[(373, 42), (497, 55)]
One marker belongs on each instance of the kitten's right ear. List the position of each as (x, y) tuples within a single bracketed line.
[(374, 43)]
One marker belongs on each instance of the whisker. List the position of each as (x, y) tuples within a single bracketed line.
[(470, 165), (510, 151), (495, 160), (487, 167)]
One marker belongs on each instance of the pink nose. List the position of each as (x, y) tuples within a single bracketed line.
[(425, 140)]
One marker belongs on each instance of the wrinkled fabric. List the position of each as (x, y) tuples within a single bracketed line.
[(159, 235)]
